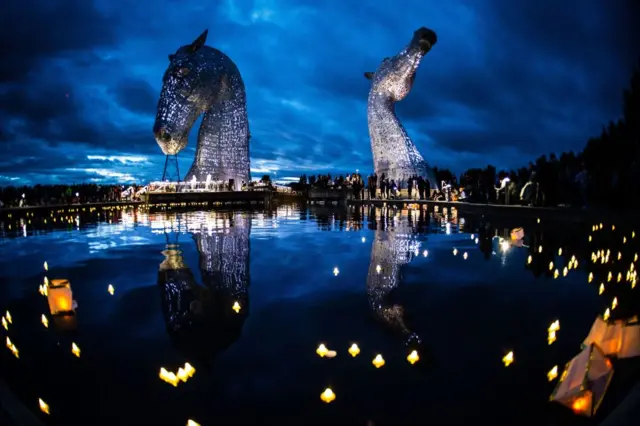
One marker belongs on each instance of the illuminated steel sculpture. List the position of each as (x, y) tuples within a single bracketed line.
[(394, 154), (394, 246), (201, 79), (203, 320)]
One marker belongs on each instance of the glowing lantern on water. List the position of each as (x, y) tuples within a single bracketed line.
[(8, 317), (601, 290), (192, 423), (60, 297), (328, 395), (560, 251), (508, 359), (378, 361), (553, 373), (4, 324), (336, 271), (551, 266), (413, 357), (517, 234), (44, 407), (110, 289), (590, 276), (614, 304), (529, 259), (354, 350), (236, 307), (75, 350), (322, 350)]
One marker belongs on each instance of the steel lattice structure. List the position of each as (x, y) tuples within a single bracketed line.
[(201, 79), (394, 153), (394, 246)]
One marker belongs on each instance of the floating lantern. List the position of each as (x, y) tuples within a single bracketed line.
[(551, 266), (465, 255), (5, 324), (354, 350), (555, 326), (590, 276), (46, 266), (455, 251), (560, 251), (551, 338), (413, 357), (236, 307), (606, 314), (575, 264), (328, 395), (8, 317), (600, 225), (553, 373), (613, 227), (168, 377), (517, 234), (619, 255), (619, 276), (110, 289), (322, 350), (192, 423), (44, 407), (529, 260), (589, 238), (508, 359), (614, 303), (540, 249), (336, 271), (378, 361), (538, 220), (425, 253), (182, 375), (60, 297), (601, 290), (75, 350), (476, 240), (610, 276), (556, 273), (565, 271), (45, 321)]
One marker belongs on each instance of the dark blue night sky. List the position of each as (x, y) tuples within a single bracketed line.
[(507, 81)]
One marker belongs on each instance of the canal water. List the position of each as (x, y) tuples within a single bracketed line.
[(246, 298)]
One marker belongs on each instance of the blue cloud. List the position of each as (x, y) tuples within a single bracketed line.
[(506, 82)]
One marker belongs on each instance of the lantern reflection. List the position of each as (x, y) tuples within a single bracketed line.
[(201, 319)]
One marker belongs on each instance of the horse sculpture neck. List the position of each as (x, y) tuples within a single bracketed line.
[(223, 138)]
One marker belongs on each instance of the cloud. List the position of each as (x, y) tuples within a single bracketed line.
[(506, 82)]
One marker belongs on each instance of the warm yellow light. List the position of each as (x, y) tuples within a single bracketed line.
[(508, 359), (75, 350), (556, 273), (188, 368), (46, 266), (590, 276), (192, 423), (565, 271), (5, 324), (455, 251), (168, 377), (322, 350), (551, 266), (529, 260), (614, 303), (601, 290), (580, 404), (110, 289), (44, 407), (540, 249), (551, 338), (606, 315), (44, 320), (7, 315), (555, 326), (610, 276), (236, 307), (619, 255), (560, 251), (354, 350), (328, 395), (553, 373), (589, 238), (336, 271), (378, 361), (413, 357)]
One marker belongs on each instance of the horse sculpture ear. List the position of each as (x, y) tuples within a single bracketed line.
[(199, 42), (171, 57), (368, 75)]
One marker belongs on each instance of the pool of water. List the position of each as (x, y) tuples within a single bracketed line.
[(247, 297)]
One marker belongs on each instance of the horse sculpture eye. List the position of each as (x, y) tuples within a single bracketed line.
[(182, 72)]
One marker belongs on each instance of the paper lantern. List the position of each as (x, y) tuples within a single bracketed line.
[(60, 297), (584, 381), (618, 338)]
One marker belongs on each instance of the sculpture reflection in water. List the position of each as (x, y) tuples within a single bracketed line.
[(394, 246), (204, 320)]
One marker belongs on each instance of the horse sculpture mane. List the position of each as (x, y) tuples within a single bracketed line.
[(203, 80), (394, 153)]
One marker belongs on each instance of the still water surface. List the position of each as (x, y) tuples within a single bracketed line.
[(390, 280)]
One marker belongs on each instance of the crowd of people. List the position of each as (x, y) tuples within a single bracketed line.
[(45, 195)]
